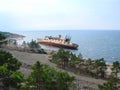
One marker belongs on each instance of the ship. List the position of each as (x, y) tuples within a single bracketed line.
[(58, 41)]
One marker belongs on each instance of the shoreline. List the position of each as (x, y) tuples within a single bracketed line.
[(19, 36), (55, 50), (86, 49)]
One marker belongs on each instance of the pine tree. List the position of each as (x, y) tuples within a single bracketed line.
[(9, 74)]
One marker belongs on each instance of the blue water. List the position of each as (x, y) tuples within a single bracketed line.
[(92, 44)]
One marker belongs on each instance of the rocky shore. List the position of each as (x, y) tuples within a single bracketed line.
[(12, 35)]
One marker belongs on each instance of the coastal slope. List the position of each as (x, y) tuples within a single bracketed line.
[(31, 58)]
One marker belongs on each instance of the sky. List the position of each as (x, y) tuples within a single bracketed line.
[(59, 15)]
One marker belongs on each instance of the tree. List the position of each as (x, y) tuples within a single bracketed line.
[(6, 58), (89, 65), (3, 71), (61, 57), (65, 58), (9, 74), (14, 80), (24, 45), (100, 67), (64, 81), (2, 39), (34, 44), (112, 84), (35, 47), (80, 56), (34, 80), (73, 60), (115, 68), (44, 77)]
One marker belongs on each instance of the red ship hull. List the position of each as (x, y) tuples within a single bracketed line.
[(60, 45)]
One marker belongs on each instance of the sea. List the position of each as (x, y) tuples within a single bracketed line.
[(94, 44)]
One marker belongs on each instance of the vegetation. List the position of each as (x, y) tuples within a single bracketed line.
[(34, 47), (112, 84), (44, 77), (94, 68), (100, 68), (31, 46), (2, 39), (9, 74), (65, 59), (34, 44), (116, 68)]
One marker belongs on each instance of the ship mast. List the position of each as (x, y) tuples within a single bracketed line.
[(67, 39)]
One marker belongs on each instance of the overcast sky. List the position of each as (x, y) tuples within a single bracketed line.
[(59, 14)]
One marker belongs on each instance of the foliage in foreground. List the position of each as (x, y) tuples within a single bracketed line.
[(9, 74), (112, 84), (44, 77)]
